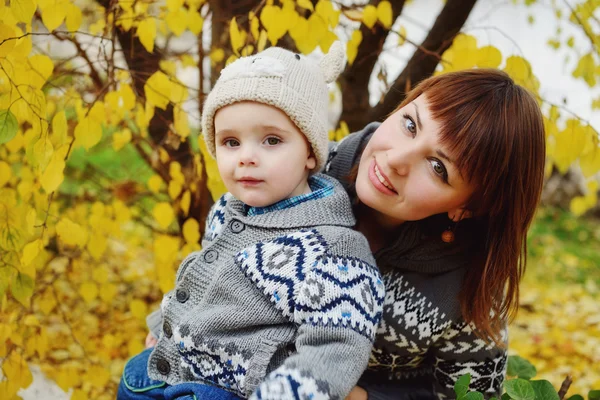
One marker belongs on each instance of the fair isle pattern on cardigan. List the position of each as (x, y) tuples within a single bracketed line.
[(307, 286), (216, 218), (287, 383), (225, 366)]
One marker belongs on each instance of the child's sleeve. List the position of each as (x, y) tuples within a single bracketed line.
[(460, 352), (336, 302)]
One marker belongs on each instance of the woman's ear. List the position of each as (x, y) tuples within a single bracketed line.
[(459, 214)]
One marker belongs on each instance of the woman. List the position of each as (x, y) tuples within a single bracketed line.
[(445, 190)]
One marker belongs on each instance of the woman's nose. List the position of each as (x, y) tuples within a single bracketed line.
[(400, 159)]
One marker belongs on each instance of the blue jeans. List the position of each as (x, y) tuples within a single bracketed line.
[(137, 385)]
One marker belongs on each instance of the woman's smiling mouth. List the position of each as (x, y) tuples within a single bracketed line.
[(379, 180)]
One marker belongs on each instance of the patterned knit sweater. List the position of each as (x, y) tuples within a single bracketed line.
[(422, 336), (281, 305)]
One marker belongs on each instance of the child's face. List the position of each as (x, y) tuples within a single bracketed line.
[(261, 155)]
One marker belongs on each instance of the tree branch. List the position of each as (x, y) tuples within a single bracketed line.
[(421, 65), (354, 82)]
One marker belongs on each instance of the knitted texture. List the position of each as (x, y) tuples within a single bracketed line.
[(290, 296), (290, 82), (422, 334)]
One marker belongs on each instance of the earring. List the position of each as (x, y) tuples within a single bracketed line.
[(448, 235)]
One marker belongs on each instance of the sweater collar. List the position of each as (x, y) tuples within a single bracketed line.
[(334, 209)]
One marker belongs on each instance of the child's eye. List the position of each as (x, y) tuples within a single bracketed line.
[(272, 141), (231, 143)]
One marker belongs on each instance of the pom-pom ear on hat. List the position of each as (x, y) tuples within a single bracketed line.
[(333, 63)]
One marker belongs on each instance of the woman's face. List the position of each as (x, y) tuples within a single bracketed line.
[(406, 174)]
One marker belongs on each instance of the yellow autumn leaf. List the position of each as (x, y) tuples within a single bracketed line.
[(97, 245), (237, 36), (185, 202), (88, 291), (147, 33), (121, 138), (23, 10), (163, 214), (42, 152), (352, 46), (174, 189), (586, 70), (369, 16), (5, 173), (195, 22), (59, 129), (88, 133), (327, 40), (53, 175), (127, 96), (177, 21), (488, 57), (181, 122), (71, 233), (306, 4), (330, 16), (108, 291), (384, 14), (191, 231), (155, 183), (30, 252), (138, 308), (7, 46), (158, 90), (16, 370), (73, 18), (273, 22), (173, 5), (54, 15)]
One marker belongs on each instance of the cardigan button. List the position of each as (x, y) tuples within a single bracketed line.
[(236, 226), (211, 256), (182, 295), (167, 329), (163, 366)]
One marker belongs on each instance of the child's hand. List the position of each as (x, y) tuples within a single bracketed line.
[(150, 340), (357, 393)]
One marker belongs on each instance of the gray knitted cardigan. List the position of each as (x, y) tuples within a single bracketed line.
[(422, 337), (282, 305)]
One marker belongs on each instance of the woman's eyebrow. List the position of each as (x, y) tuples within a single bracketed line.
[(418, 116)]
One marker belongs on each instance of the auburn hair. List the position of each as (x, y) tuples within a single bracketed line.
[(495, 132)]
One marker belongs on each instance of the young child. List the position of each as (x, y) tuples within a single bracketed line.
[(284, 299)]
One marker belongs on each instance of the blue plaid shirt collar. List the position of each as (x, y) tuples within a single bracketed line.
[(319, 187)]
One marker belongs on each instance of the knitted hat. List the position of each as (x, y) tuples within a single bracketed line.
[(288, 81)]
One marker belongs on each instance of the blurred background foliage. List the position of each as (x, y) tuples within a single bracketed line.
[(104, 185)]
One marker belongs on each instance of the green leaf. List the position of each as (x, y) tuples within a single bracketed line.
[(22, 288), (576, 397), (544, 390), (473, 396), (519, 389), (594, 395), (461, 387), (520, 367), (8, 126), (505, 396)]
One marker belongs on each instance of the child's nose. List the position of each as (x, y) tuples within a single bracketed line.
[(248, 156)]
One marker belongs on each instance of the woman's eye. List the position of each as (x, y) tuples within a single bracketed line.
[(440, 169), (272, 141), (231, 143), (409, 124)]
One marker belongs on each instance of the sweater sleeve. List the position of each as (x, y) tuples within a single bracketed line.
[(461, 351), (336, 303)]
